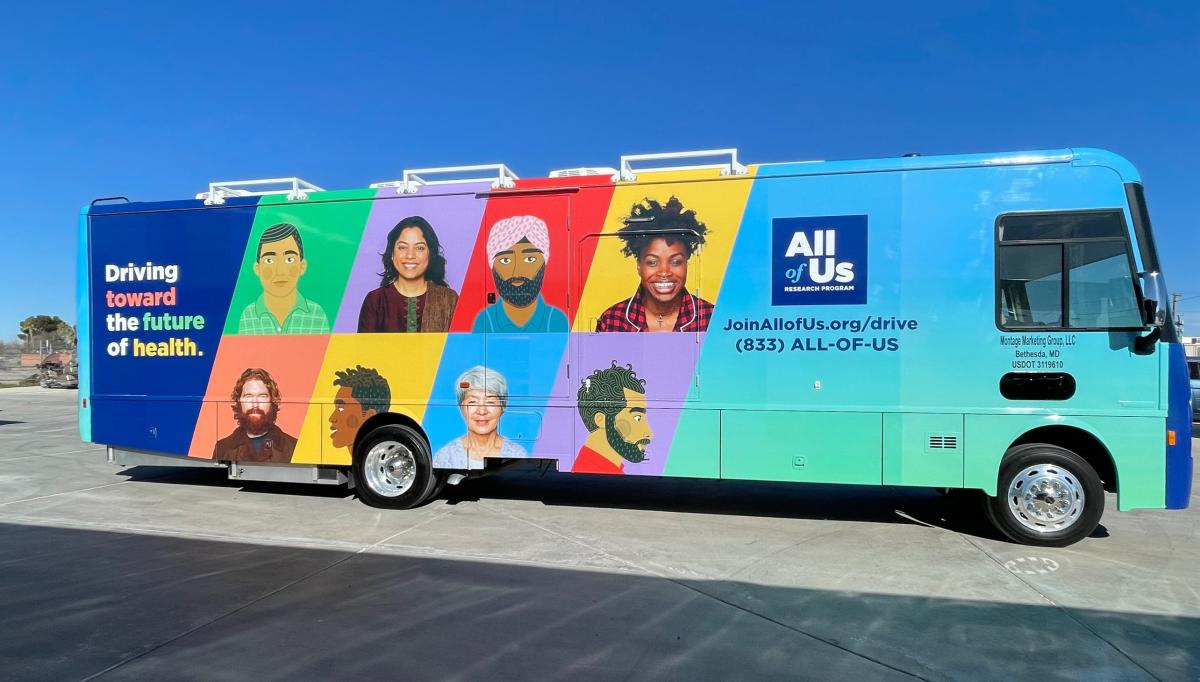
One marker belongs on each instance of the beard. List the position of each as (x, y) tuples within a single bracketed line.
[(629, 452), (524, 294), (254, 420)]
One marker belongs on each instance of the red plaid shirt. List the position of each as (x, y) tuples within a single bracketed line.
[(630, 315)]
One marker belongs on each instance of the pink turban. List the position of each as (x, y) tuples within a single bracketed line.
[(509, 231)]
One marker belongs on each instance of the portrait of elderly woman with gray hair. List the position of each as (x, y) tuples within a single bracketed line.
[(482, 396)]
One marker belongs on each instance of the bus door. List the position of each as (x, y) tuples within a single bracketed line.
[(525, 321), (617, 327)]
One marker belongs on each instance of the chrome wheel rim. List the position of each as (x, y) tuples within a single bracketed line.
[(390, 469), (1046, 498)]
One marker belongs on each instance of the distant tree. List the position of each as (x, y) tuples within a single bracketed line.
[(37, 328), (67, 335)]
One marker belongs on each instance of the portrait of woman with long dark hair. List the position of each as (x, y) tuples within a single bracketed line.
[(413, 295)]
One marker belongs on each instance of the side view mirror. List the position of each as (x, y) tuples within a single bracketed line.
[(1154, 299), (1154, 311)]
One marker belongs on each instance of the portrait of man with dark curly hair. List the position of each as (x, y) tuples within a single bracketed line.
[(661, 238), (612, 405), (362, 393)]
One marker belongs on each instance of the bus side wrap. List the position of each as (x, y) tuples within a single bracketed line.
[(841, 325)]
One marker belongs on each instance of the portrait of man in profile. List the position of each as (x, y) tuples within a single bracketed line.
[(257, 438), (612, 405), (518, 249), (362, 393)]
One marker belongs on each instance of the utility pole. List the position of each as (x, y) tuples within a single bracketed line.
[(1175, 309)]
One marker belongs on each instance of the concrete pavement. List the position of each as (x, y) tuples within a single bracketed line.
[(159, 572)]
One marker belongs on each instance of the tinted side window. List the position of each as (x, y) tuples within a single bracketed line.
[(1031, 285), (1101, 286), (1067, 270)]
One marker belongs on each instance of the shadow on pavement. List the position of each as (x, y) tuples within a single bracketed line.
[(74, 603), (961, 511)]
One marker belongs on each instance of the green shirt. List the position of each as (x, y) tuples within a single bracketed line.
[(306, 317)]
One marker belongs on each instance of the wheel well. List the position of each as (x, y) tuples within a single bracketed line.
[(1081, 443), (387, 418)]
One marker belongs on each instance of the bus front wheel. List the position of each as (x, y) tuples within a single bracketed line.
[(1047, 496), (393, 468)]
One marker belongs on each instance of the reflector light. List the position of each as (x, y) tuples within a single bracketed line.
[(1170, 437)]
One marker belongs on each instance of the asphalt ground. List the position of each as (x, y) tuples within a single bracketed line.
[(166, 573)]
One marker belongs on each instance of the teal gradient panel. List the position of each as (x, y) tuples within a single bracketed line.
[(83, 341)]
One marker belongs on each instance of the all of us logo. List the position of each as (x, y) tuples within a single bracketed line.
[(819, 260)]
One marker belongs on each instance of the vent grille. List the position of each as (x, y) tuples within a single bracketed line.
[(947, 442)]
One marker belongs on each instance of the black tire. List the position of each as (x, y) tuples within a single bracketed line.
[(1047, 496), (385, 460)]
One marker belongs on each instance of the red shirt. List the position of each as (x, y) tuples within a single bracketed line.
[(630, 315), (588, 461)]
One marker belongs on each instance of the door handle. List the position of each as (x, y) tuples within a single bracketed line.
[(1037, 386)]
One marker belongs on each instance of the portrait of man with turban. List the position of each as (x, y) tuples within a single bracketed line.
[(518, 249)]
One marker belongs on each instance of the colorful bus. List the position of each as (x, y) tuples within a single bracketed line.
[(985, 322)]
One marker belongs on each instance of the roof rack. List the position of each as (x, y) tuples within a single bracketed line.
[(415, 178), (627, 173), (219, 191)]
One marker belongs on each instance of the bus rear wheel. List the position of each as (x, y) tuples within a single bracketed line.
[(1047, 496), (393, 468)]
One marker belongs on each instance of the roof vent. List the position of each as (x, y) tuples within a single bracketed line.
[(577, 172)]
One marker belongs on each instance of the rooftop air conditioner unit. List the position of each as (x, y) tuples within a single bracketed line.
[(577, 172)]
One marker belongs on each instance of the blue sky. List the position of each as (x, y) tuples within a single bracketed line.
[(153, 100)]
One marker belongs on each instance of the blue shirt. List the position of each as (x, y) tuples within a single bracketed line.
[(453, 455), (546, 318)]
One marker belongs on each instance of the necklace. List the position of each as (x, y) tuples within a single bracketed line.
[(660, 321)]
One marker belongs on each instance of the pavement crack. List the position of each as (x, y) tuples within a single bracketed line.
[(779, 551), (50, 454), (794, 629), (84, 490), (578, 541)]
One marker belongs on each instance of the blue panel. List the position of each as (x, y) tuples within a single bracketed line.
[(186, 258), (1085, 156), (1179, 420)]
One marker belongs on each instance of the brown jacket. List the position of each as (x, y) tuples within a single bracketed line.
[(381, 307), (277, 447)]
